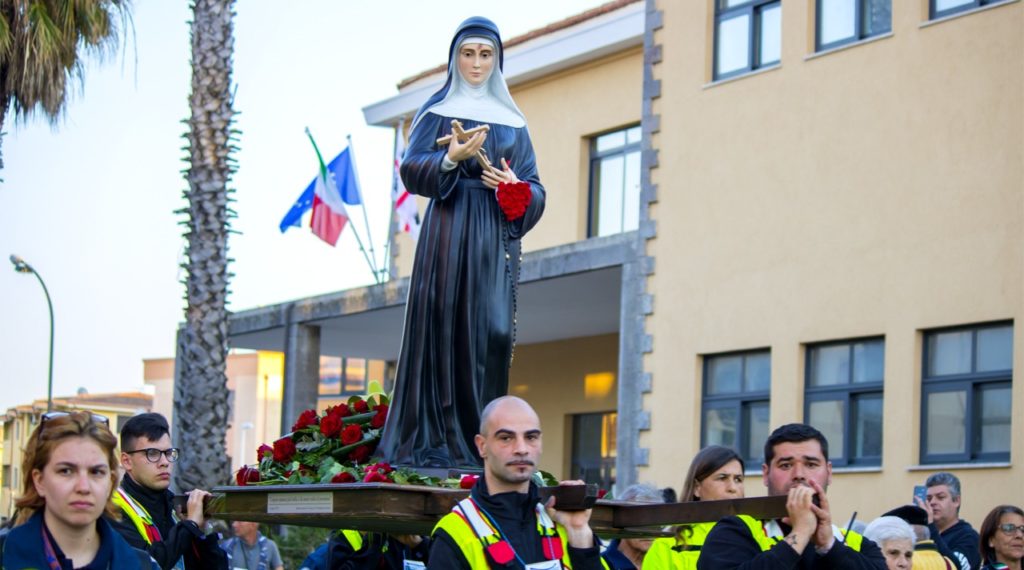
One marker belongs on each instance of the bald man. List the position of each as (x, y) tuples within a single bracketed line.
[(504, 510)]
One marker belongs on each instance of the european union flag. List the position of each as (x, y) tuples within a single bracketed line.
[(301, 206)]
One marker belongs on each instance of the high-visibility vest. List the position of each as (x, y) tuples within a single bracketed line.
[(138, 515), (475, 536), (671, 554), (769, 534)]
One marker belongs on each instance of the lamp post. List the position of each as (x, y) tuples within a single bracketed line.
[(22, 267)]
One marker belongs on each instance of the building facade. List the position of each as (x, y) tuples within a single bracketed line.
[(758, 212)]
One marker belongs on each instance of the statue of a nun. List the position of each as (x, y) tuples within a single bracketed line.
[(460, 316)]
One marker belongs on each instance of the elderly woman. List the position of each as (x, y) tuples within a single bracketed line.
[(895, 538), (629, 553), (1002, 538), (716, 473), (70, 473), (460, 316)]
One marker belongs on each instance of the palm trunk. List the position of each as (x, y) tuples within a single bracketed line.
[(201, 411)]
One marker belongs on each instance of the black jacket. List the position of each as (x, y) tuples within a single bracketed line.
[(377, 551), (730, 546), (960, 543), (176, 539), (516, 515)]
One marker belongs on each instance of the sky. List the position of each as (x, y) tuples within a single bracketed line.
[(89, 202)]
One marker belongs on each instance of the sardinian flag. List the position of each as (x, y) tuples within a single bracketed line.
[(405, 203)]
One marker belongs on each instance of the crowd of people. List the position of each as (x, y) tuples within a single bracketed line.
[(76, 511)]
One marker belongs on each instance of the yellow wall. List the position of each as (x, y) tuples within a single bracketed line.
[(564, 110), (551, 377), (876, 190)]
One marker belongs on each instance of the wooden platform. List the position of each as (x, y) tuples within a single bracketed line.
[(410, 509)]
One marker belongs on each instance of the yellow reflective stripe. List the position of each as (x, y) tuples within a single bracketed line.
[(127, 505), (461, 532), (354, 539), (853, 540)]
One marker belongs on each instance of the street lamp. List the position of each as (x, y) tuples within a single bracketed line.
[(22, 267)]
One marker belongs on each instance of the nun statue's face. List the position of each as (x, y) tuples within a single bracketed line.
[(476, 62)]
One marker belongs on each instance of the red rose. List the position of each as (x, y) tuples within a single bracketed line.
[(343, 477), (379, 419), (514, 198), (360, 454), (381, 467), (331, 425), (284, 449), (361, 406), (264, 451), (376, 477), (247, 475), (341, 410), (468, 481), (307, 418), (351, 434), (601, 493)]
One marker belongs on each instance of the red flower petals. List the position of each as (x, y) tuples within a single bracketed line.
[(361, 406), (306, 419), (343, 477), (331, 425), (247, 475), (284, 449), (360, 454), (351, 434), (514, 198), (468, 481)]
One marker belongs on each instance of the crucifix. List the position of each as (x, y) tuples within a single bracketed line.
[(463, 136)]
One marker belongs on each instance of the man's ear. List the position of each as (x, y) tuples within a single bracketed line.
[(126, 463), (764, 473), (480, 447)]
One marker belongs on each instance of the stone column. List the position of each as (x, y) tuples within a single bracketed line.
[(301, 372)]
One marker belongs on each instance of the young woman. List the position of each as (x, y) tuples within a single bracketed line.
[(1002, 538), (70, 472), (460, 317), (896, 540), (715, 473)]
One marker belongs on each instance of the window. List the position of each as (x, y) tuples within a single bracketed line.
[(966, 394), (845, 21), (348, 376), (844, 398), (593, 448), (735, 407), (614, 182), (943, 8), (748, 35)]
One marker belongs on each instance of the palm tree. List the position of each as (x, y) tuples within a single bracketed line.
[(201, 396), (41, 43)]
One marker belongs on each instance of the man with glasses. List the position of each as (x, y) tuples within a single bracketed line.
[(149, 521)]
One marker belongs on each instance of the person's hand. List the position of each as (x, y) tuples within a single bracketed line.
[(801, 517), (194, 508), (576, 523), (927, 509), (492, 178), (410, 540), (459, 151), (823, 535)]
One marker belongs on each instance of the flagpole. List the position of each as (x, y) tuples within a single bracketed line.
[(362, 202), (323, 169), (392, 223)]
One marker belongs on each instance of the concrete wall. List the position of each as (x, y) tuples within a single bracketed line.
[(564, 110), (551, 376), (875, 190)]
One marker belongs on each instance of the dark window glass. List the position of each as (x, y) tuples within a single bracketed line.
[(966, 394), (943, 8), (844, 21), (593, 448), (736, 402), (844, 398)]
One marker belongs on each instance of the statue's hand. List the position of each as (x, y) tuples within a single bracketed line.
[(459, 151)]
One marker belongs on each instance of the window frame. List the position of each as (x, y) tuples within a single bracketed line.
[(858, 20), (849, 394), (739, 401), (593, 200), (606, 465), (935, 14), (972, 383), (753, 9)]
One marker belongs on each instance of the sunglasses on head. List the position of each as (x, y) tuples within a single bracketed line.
[(50, 416)]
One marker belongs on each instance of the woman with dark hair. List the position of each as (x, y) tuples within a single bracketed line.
[(1002, 538), (69, 476), (485, 195), (716, 473)]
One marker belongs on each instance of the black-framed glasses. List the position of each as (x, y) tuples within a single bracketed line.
[(50, 416), (153, 454), (1010, 529)]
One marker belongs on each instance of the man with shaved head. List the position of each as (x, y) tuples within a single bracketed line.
[(503, 522)]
